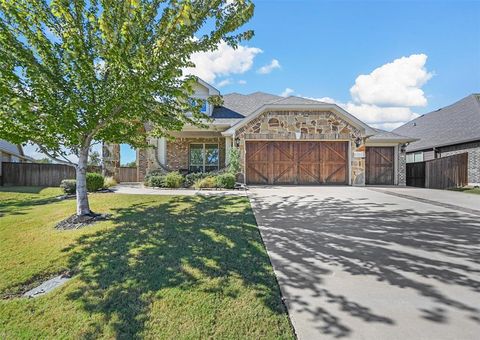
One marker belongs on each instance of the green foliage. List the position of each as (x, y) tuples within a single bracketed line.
[(94, 159), (76, 72), (207, 182), (157, 181), (234, 165), (226, 181), (193, 177), (173, 180), (109, 182), (131, 164), (96, 71), (94, 181), (44, 160), (69, 186)]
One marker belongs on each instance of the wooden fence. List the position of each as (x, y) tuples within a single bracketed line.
[(441, 173), (35, 174), (127, 174)]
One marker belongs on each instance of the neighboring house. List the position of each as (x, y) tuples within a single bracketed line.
[(11, 153), (281, 140), (447, 131)]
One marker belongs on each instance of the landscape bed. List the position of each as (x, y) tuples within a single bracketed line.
[(160, 267)]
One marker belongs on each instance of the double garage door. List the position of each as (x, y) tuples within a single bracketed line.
[(278, 162)]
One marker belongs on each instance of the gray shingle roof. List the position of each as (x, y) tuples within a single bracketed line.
[(453, 124), (386, 136), (236, 105), (294, 100)]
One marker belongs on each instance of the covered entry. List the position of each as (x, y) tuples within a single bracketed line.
[(379, 165), (296, 162)]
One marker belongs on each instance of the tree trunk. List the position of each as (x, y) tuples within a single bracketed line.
[(83, 207)]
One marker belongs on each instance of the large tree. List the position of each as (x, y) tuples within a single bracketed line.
[(77, 71)]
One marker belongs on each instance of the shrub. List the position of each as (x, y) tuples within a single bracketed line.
[(173, 180), (94, 181), (156, 172), (192, 178), (207, 182), (156, 181), (234, 163), (226, 181), (109, 182), (69, 186)]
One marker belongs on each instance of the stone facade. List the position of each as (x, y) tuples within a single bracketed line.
[(310, 125), (111, 160), (401, 167), (473, 150), (178, 151)]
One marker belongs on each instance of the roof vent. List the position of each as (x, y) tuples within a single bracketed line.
[(414, 124)]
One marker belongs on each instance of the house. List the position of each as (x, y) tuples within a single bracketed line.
[(447, 131), (11, 153), (282, 140)]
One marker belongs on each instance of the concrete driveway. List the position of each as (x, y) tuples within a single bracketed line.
[(374, 263)]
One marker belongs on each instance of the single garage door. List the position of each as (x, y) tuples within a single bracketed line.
[(379, 165), (276, 162)]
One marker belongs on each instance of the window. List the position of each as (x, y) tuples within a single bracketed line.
[(203, 157), (415, 157), (204, 108)]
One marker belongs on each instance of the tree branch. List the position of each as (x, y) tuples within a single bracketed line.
[(49, 155)]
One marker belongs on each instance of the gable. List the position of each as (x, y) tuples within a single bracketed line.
[(315, 124)]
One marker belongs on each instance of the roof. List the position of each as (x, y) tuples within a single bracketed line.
[(11, 148), (236, 105), (453, 124), (238, 109), (387, 136)]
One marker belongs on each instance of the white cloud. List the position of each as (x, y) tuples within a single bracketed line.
[(223, 61), (242, 82), (274, 64), (224, 82), (288, 91), (394, 84), (384, 98)]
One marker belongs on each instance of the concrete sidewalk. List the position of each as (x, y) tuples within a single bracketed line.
[(140, 189)]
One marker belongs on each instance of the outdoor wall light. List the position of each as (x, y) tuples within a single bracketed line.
[(358, 141), (237, 142)]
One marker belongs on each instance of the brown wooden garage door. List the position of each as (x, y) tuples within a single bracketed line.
[(379, 165), (274, 162)]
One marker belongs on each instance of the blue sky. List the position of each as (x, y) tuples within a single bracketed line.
[(322, 46), (318, 49)]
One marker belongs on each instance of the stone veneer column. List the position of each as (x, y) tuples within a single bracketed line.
[(402, 167), (142, 164), (357, 165), (111, 160)]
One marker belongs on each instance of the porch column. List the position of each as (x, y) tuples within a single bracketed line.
[(228, 147), (162, 151)]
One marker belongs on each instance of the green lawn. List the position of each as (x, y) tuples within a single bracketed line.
[(468, 190), (162, 267)]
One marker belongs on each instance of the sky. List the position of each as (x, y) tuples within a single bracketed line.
[(386, 62)]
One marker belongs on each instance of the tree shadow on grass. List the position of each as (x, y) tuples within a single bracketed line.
[(422, 251), (21, 204), (186, 243)]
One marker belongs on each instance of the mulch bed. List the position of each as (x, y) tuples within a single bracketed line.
[(77, 222)]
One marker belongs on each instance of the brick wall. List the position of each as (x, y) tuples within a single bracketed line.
[(473, 150), (178, 151)]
